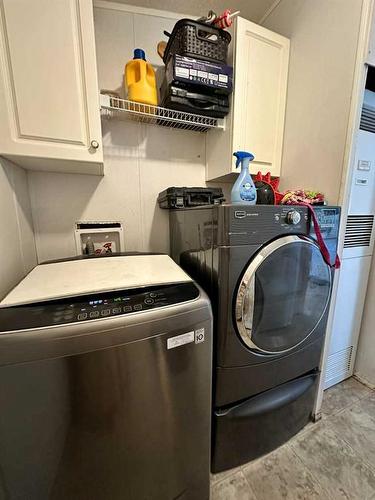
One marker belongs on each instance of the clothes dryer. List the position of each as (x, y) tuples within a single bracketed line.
[(270, 291)]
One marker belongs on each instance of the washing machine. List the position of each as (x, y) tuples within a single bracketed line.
[(105, 382), (270, 290)]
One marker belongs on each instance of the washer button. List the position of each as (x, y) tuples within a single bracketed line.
[(82, 316), (128, 309), (138, 307), (149, 301), (116, 310), (106, 312), (153, 295), (94, 314)]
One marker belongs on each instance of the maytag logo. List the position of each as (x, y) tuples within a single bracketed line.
[(240, 214)]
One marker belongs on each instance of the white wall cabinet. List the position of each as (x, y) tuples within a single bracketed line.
[(256, 121), (49, 98)]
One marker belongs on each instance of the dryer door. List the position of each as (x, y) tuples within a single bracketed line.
[(283, 295)]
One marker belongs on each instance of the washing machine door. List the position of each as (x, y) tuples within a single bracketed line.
[(283, 295)]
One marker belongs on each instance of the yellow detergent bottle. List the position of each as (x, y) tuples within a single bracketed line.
[(140, 79)]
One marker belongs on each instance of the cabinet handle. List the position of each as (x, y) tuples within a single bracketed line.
[(94, 144)]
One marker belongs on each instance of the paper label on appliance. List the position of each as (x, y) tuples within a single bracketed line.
[(223, 78), (193, 72), (202, 74), (183, 72), (179, 340), (199, 335), (212, 76)]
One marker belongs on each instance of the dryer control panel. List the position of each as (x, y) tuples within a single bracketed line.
[(259, 223), (94, 307), (253, 225)]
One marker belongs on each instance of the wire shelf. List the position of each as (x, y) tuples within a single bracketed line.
[(114, 107)]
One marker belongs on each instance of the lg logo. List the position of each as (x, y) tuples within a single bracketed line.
[(199, 335)]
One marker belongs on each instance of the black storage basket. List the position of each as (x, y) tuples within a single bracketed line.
[(200, 40)]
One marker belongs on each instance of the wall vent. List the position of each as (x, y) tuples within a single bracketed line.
[(339, 365), (358, 231), (367, 118)]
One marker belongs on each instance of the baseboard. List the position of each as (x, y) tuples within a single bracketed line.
[(363, 381)]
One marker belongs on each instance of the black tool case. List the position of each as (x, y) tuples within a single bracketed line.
[(183, 197), (199, 76), (183, 99)]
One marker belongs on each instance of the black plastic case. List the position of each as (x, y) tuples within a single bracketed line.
[(183, 197), (197, 75), (173, 97)]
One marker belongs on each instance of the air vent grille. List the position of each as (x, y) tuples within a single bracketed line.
[(339, 365), (367, 118), (358, 231)]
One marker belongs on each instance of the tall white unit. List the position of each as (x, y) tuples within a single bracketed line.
[(357, 252)]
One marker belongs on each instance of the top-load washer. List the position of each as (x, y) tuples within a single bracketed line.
[(105, 382), (270, 289)]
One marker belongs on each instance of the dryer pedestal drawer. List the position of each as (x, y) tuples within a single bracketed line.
[(260, 424), (242, 383)]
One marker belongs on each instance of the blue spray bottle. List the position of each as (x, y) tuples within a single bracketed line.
[(244, 191)]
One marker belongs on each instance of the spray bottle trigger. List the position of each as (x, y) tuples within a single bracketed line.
[(240, 155)]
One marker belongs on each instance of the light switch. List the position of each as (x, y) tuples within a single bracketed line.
[(361, 182)]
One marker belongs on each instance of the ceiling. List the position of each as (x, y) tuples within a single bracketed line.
[(250, 9)]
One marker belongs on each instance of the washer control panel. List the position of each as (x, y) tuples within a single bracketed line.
[(94, 307)]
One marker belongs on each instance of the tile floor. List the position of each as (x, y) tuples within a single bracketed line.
[(333, 459)]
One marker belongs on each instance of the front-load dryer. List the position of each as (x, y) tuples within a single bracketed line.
[(270, 290)]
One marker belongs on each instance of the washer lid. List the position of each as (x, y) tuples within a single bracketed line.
[(81, 277)]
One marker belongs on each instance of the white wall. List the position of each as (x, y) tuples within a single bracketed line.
[(323, 37), (365, 360), (140, 160), (17, 246)]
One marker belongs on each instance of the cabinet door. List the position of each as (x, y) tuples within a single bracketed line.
[(261, 71), (49, 90)]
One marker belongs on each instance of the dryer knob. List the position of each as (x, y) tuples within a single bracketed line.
[(293, 217)]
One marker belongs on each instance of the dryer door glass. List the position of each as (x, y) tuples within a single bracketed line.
[(283, 295)]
